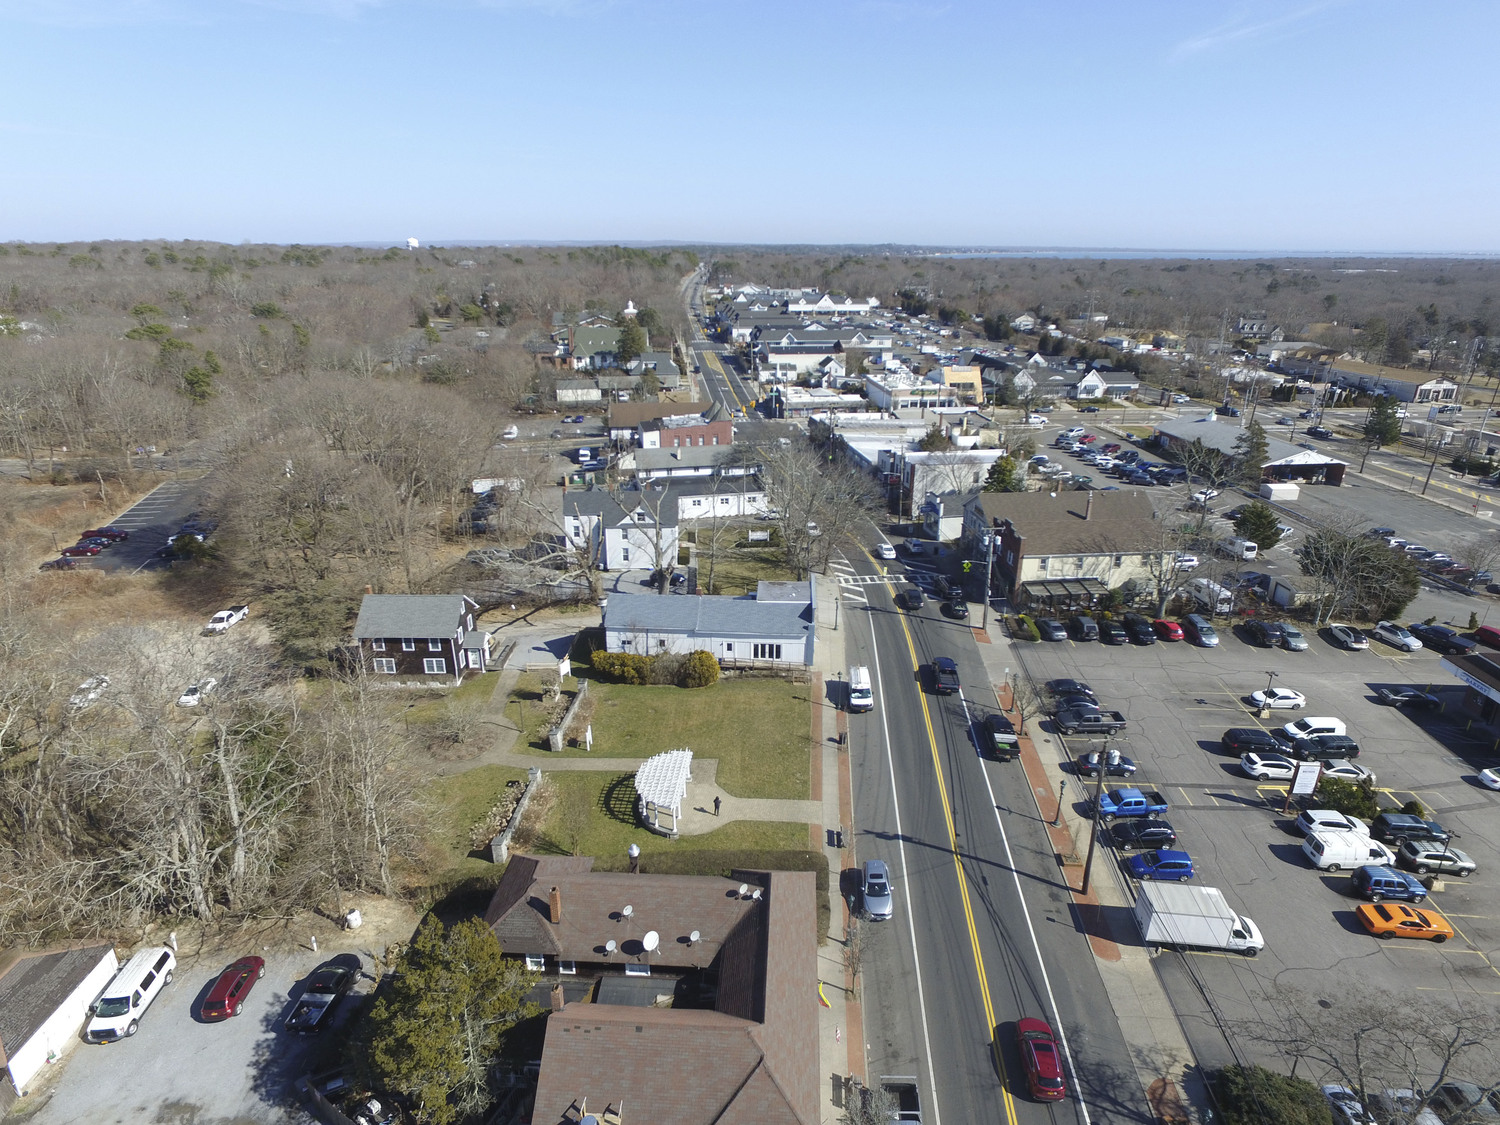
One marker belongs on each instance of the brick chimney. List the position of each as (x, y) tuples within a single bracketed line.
[(1088, 505), (554, 906)]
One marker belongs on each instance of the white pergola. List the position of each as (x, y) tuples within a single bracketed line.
[(660, 785)]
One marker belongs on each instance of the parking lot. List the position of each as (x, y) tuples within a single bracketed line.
[(1179, 701), (178, 1068)]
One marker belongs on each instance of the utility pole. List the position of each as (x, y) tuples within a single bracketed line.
[(989, 566)]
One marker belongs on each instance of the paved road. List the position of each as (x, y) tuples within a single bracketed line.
[(979, 896)]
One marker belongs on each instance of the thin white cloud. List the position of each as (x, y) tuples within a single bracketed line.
[(1246, 28)]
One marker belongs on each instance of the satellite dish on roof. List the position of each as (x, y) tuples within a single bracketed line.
[(694, 938), (744, 888), (628, 911), (609, 947), (651, 940), (755, 894)]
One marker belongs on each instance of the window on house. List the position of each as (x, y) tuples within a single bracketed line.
[(469, 621), (766, 652), (434, 644), (676, 442), (385, 665), (624, 554), (535, 964), (697, 503), (728, 646), (660, 643), (408, 644), (378, 646), (434, 666), (716, 439), (1043, 563), (567, 968), (1119, 560), (632, 969)]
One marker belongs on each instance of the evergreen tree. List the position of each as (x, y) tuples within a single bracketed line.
[(632, 341), (1258, 523), (435, 1031), (1251, 453), (934, 440), (1383, 427), (1004, 476)]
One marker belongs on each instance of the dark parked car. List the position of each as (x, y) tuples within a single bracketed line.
[(1139, 628), (1442, 639), (60, 564), (1051, 629), (1084, 628), (912, 598), (1268, 634), (944, 676), (1323, 748), (1060, 688), (1163, 863), (1113, 633), (1319, 432), (229, 991), (1144, 832), (956, 608), (1408, 697), (1396, 827), (115, 533), (1249, 740), (81, 550), (1112, 762), (329, 983)]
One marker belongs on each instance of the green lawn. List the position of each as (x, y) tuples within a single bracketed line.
[(737, 570), (595, 815), (429, 706), (458, 802), (757, 729)]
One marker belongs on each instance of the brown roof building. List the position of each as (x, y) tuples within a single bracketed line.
[(712, 1020), (1063, 550)]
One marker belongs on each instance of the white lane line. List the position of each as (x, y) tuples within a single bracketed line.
[(1010, 859), (890, 765)]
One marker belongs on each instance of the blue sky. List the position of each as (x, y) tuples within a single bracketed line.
[(1340, 125)]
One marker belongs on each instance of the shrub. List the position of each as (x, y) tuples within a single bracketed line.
[(1026, 629), (1256, 1096), (700, 670), (626, 667), (1415, 808), (1347, 797)]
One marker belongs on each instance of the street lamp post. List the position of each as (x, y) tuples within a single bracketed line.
[(1265, 710)]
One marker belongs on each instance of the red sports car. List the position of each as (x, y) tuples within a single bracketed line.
[(229, 991), (83, 549), (1043, 1061), (111, 532), (1088, 439), (1167, 630)]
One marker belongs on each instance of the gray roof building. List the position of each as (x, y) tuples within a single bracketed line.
[(776, 625), (411, 615)]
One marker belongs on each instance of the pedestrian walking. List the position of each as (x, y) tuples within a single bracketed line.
[(716, 806)]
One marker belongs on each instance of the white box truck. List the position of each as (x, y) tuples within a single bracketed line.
[(1212, 596), (1185, 915)]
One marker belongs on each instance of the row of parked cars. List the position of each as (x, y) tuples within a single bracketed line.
[(90, 543), (1113, 459), (1131, 628), (117, 1012)]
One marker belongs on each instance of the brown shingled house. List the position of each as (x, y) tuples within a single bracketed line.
[(735, 960)]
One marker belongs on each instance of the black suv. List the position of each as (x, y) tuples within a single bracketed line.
[(1324, 748), (1139, 628), (1147, 832), (1250, 740), (1268, 634), (1113, 633), (1395, 827)]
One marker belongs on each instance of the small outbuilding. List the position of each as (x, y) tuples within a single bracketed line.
[(44, 1001)]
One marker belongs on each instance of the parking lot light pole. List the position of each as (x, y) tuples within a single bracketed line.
[(1265, 710)]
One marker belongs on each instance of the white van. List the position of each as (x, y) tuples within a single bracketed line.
[(1036, 421), (1208, 593), (1313, 725), (118, 1011), (1333, 851), (861, 697), (1240, 548)]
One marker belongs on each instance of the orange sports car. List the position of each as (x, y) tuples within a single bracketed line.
[(1392, 919)]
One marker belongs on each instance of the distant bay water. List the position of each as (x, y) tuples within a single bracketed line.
[(1198, 255)]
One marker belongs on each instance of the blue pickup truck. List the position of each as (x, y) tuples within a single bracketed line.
[(1130, 801)]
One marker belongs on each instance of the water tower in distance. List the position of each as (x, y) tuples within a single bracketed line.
[(412, 244)]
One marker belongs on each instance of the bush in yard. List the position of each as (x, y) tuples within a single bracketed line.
[(1026, 628), (626, 667), (1347, 797), (1253, 1095), (700, 670)]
